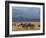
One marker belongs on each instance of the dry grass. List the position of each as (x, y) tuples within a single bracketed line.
[(20, 28)]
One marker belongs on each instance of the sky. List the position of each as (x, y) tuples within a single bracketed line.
[(26, 12)]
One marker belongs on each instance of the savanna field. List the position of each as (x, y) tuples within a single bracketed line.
[(22, 26)]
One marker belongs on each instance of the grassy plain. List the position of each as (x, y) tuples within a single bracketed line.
[(20, 28)]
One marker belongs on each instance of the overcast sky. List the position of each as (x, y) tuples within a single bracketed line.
[(27, 12)]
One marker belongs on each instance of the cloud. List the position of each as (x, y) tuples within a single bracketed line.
[(30, 12)]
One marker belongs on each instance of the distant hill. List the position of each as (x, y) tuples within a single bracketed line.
[(24, 19)]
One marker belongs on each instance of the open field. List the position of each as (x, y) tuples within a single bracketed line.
[(21, 26)]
